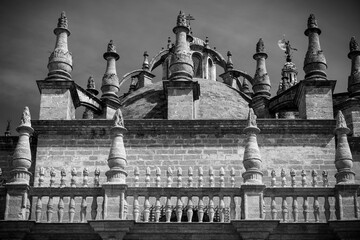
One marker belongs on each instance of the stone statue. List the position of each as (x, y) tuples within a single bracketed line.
[(25, 118), (312, 21), (91, 83), (118, 119), (354, 46), (181, 20), (111, 47), (62, 22), (260, 46)]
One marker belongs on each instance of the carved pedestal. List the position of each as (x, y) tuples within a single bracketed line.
[(252, 204), (346, 203), (114, 201), (16, 201)]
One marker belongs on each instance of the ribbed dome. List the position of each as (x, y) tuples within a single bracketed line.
[(217, 101)]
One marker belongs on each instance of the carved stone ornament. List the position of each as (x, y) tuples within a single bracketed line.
[(181, 20), (91, 83), (251, 118), (111, 47), (354, 46), (118, 119), (25, 118), (312, 21), (260, 46), (62, 22), (340, 120)]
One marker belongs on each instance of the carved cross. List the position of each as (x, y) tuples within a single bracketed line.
[(189, 18)]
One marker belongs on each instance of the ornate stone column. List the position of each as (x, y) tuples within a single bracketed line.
[(261, 86), (253, 187), (17, 188), (116, 176)]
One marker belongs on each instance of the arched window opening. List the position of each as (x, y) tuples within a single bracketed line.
[(197, 65)]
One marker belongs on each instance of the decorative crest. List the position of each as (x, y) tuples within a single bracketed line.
[(25, 118), (181, 20), (354, 46), (91, 83), (111, 47), (260, 46), (62, 22), (340, 120), (118, 118), (251, 118), (312, 21)]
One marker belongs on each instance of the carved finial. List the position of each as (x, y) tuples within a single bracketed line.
[(97, 177), (314, 177), (181, 20), (111, 47), (260, 46), (232, 177), (73, 175), (303, 178), (206, 44), (229, 64), (62, 22), (8, 129), (340, 120), (354, 46), (325, 178), (292, 175), (91, 83), (118, 118), (169, 176), (312, 21), (283, 177), (25, 118), (251, 118), (41, 176), (52, 176), (145, 65)]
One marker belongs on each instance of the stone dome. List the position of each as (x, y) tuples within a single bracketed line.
[(217, 101)]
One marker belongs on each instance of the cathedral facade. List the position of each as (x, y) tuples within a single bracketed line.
[(203, 151)]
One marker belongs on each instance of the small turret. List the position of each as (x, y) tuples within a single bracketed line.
[(354, 78)]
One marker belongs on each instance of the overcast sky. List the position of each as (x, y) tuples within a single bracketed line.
[(27, 39)]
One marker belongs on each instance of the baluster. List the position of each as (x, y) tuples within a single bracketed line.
[(97, 177), (179, 206), (211, 177), (325, 178), (61, 209), (71, 209), (179, 178), (158, 179), (94, 206), (232, 208), (292, 175), (136, 178), (285, 211), (52, 177), (306, 209), (168, 209), (211, 210), (222, 179), (295, 208), (222, 210), (227, 214), (73, 177), (147, 210), (303, 178), (232, 177), (314, 178), (169, 177), (273, 208), (147, 177), (157, 210), (283, 178), (190, 211), (62, 179), (201, 210), (136, 209), (125, 209), (316, 208), (41, 176), (327, 208), (190, 179), (152, 214), (200, 174), (83, 208), (85, 177), (273, 178), (50, 209), (38, 209)]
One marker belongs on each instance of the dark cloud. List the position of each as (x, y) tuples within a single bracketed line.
[(26, 38)]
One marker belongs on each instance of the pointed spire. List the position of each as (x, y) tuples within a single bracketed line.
[(21, 161), (229, 63), (315, 62), (110, 81), (252, 158), (343, 156), (60, 60), (262, 85), (354, 78), (8, 129), (145, 65), (117, 156)]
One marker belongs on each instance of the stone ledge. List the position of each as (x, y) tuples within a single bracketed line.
[(267, 126)]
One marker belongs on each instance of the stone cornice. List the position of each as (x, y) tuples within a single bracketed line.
[(150, 126)]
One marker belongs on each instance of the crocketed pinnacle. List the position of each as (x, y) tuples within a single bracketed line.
[(181, 20), (111, 47), (354, 46), (312, 23), (260, 46), (354, 78), (110, 80), (62, 21), (262, 85)]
